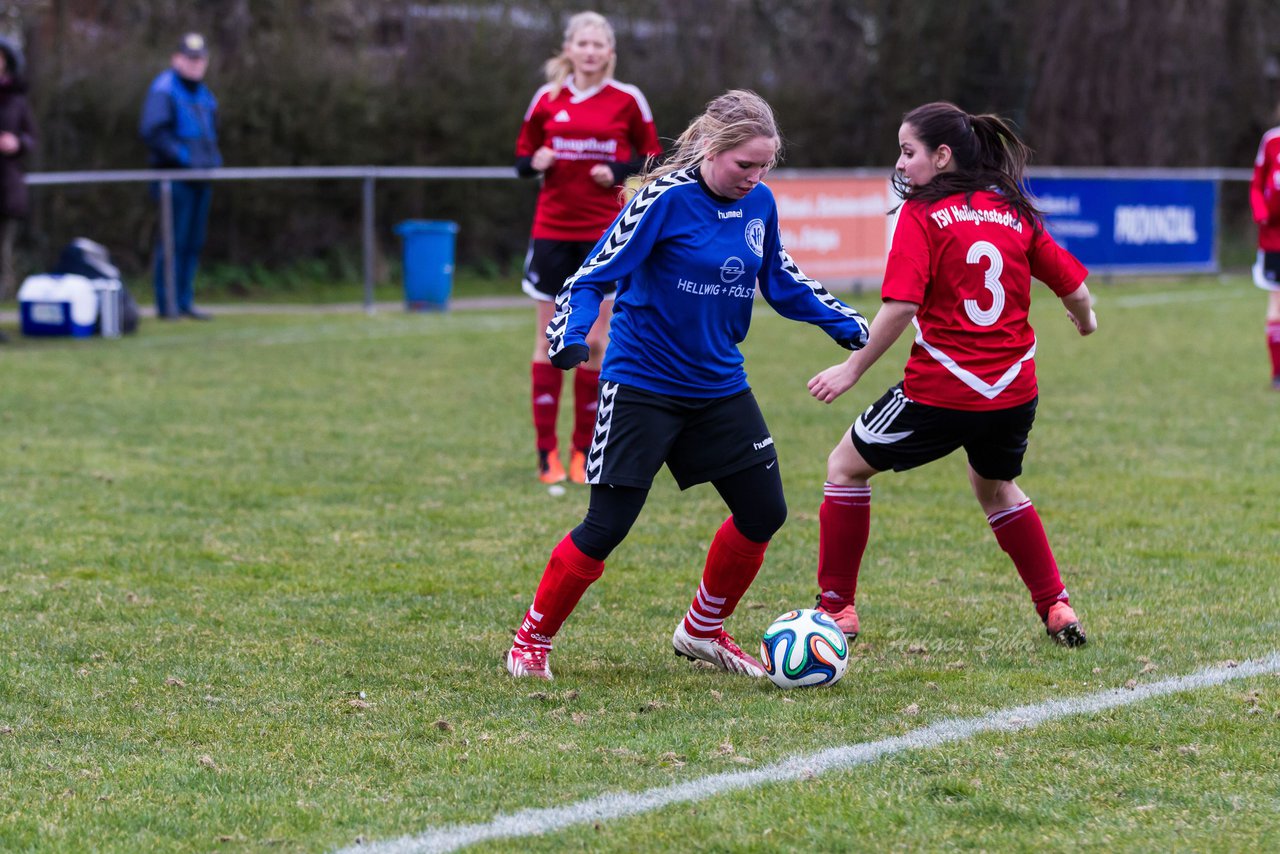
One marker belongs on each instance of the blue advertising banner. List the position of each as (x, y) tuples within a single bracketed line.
[(1133, 225)]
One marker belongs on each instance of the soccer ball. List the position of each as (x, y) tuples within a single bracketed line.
[(803, 648)]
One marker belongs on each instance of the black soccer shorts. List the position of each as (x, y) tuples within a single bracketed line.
[(700, 439), (899, 433), (549, 262), (1266, 271)]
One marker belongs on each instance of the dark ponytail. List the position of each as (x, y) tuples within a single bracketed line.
[(987, 152)]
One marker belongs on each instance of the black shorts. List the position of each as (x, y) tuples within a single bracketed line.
[(1266, 271), (700, 439), (898, 433), (549, 262)]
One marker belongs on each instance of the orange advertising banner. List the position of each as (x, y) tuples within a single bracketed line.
[(836, 228)]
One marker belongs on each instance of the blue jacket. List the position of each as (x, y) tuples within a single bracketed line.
[(687, 264), (180, 124)]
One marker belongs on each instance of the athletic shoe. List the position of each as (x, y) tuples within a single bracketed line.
[(578, 466), (721, 650), (846, 618), (1062, 625), (549, 468), (525, 662)]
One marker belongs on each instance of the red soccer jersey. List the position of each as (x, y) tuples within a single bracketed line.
[(1264, 192), (608, 124), (969, 267)]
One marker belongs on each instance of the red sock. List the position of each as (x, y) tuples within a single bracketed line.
[(568, 575), (547, 381), (844, 523), (586, 386), (1273, 343), (1020, 533), (732, 564)]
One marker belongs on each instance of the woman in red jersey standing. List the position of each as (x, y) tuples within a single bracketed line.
[(967, 243), (1264, 199), (584, 134)]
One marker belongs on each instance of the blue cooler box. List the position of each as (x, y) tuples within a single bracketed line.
[(58, 305)]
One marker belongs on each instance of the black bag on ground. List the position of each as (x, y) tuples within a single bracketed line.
[(84, 257)]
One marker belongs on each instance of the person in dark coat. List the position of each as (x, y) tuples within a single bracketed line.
[(17, 137)]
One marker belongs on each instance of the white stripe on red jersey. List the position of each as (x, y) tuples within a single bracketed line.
[(968, 264)]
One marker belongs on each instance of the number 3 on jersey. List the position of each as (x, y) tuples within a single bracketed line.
[(990, 279)]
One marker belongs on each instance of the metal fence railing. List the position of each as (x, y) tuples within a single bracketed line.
[(368, 176)]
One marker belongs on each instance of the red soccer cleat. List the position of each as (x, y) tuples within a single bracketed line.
[(578, 466), (846, 618), (550, 470), (1063, 626)]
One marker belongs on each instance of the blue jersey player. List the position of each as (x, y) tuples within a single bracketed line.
[(687, 254)]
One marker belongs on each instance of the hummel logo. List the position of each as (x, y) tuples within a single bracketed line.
[(729, 214), (562, 116), (768, 440)]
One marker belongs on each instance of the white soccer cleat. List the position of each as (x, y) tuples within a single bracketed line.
[(524, 663), (721, 650)]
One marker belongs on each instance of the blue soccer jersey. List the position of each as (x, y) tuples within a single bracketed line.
[(686, 263)]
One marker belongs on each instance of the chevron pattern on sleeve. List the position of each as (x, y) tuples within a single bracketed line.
[(623, 229), (824, 296)]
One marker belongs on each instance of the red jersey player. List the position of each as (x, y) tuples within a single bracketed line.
[(967, 243), (1264, 199), (584, 134)]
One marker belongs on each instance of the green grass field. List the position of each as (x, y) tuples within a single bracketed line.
[(259, 575)]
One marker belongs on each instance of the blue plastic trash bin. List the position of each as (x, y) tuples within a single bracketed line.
[(428, 263)]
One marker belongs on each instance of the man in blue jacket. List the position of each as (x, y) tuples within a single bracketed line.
[(180, 127)]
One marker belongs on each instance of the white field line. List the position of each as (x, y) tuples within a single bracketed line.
[(535, 822)]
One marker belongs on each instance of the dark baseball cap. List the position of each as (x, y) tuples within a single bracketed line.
[(192, 45)]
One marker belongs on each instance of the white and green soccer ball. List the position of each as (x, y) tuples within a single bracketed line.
[(804, 648)]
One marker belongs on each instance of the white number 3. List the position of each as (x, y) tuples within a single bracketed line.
[(991, 279)]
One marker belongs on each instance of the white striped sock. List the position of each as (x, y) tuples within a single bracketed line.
[(704, 617)]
